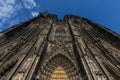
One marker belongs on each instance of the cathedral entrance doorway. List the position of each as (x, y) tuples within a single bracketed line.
[(59, 67)]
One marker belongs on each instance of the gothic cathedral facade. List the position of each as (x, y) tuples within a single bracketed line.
[(45, 48)]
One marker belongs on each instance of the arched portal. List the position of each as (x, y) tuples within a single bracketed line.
[(57, 62)]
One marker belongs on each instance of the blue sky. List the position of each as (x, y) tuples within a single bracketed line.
[(104, 12)]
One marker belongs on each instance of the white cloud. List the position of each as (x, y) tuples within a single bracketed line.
[(34, 13), (28, 4), (8, 8)]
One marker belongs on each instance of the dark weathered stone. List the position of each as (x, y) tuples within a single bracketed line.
[(44, 47)]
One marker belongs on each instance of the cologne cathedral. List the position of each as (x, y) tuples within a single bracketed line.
[(46, 48)]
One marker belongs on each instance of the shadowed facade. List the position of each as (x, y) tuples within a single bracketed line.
[(45, 48)]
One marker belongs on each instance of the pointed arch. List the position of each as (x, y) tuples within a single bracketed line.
[(59, 60)]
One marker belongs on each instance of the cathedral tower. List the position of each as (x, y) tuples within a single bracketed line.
[(45, 48)]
